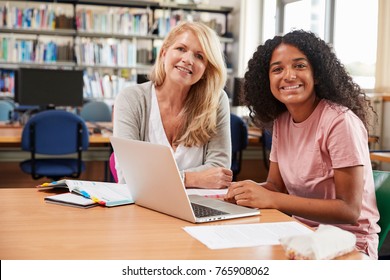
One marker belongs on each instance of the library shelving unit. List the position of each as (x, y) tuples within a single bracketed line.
[(112, 41)]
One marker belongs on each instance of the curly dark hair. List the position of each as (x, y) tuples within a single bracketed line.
[(332, 80)]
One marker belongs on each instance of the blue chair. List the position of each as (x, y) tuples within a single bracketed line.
[(58, 137), (382, 192), (6, 110), (239, 137), (266, 140), (96, 111)]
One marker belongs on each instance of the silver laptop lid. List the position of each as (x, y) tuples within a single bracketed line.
[(152, 176), (154, 181)]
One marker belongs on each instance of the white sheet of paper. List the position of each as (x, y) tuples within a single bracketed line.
[(245, 235)]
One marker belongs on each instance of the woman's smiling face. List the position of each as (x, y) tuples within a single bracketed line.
[(184, 61)]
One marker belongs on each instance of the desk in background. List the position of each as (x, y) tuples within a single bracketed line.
[(254, 135), (33, 229), (99, 149), (11, 134), (11, 137)]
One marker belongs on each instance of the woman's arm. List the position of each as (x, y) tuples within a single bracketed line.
[(130, 112), (215, 171), (130, 116)]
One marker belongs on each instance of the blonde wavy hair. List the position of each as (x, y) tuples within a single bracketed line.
[(201, 105)]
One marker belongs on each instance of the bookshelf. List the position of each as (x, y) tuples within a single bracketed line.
[(112, 41)]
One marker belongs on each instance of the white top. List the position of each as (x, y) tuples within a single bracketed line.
[(186, 157)]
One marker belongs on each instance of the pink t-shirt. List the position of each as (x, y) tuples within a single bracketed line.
[(307, 152)]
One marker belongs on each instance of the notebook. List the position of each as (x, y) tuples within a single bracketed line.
[(154, 182)]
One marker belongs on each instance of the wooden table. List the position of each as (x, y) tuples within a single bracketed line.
[(254, 135), (33, 229), (380, 156)]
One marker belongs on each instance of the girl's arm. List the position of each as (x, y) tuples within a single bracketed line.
[(345, 208)]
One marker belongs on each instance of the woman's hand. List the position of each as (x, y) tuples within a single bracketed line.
[(249, 193), (212, 178)]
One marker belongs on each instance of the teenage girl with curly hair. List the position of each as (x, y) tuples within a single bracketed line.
[(320, 169)]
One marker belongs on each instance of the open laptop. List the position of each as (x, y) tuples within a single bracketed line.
[(154, 181)]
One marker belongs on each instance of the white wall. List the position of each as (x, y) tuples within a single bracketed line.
[(250, 33), (382, 79)]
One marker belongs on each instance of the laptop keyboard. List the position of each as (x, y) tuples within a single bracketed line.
[(201, 211)]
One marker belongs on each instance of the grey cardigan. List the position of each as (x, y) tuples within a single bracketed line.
[(131, 119)]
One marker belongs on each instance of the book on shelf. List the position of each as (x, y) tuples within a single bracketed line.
[(104, 86), (16, 49), (7, 82), (105, 52), (104, 193), (35, 16)]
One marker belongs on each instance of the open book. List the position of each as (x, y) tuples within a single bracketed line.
[(104, 193)]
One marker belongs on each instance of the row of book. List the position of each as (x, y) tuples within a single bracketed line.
[(117, 20), (127, 21), (42, 17), (105, 86), (105, 52), (88, 52), (122, 21), (7, 82), (95, 85), (20, 50), (165, 20)]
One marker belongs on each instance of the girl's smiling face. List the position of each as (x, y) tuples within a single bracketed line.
[(291, 76)]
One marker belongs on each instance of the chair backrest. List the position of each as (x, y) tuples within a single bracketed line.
[(382, 192), (239, 138), (266, 140), (239, 133), (55, 133), (96, 111), (6, 110), (112, 167)]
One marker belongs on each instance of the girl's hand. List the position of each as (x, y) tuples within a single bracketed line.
[(249, 193)]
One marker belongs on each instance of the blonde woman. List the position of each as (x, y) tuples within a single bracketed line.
[(183, 106)]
